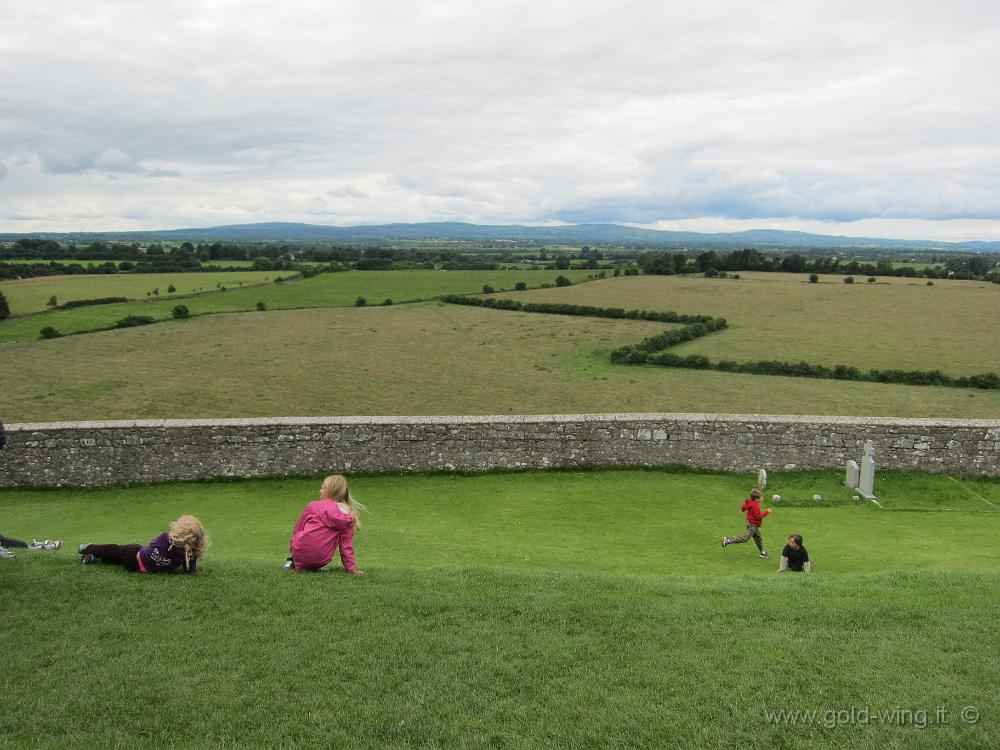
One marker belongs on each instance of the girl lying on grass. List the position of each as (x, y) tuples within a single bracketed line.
[(324, 525), (180, 548)]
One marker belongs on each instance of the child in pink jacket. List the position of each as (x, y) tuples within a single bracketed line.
[(325, 525)]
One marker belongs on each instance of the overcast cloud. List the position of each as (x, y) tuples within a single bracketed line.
[(838, 117)]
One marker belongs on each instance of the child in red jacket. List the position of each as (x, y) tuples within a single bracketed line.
[(754, 519)]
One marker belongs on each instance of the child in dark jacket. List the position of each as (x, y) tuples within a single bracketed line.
[(755, 517), (180, 548), (794, 556)]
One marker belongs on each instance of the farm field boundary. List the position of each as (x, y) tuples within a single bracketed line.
[(651, 350)]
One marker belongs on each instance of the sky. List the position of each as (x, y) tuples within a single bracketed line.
[(841, 117)]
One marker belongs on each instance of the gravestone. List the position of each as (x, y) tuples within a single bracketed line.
[(762, 479), (853, 478), (866, 485)]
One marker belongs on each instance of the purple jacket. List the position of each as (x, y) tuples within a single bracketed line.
[(163, 556)]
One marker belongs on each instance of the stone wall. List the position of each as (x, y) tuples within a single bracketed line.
[(109, 453)]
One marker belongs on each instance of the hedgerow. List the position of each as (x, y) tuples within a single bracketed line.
[(87, 302), (637, 355), (557, 308), (130, 321)]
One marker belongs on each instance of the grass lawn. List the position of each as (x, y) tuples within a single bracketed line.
[(565, 609), (427, 358), (326, 290), (896, 324)]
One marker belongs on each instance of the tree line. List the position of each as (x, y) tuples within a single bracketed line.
[(711, 263), (156, 257)]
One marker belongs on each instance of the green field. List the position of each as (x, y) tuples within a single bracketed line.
[(429, 358), (563, 609), (32, 295), (407, 359), (899, 324), (326, 290)]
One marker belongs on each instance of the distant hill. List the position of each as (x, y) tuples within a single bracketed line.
[(614, 234)]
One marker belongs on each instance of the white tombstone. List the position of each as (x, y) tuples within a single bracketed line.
[(853, 474), (866, 485), (762, 479)]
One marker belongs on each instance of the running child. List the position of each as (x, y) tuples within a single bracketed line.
[(755, 517), (178, 549)]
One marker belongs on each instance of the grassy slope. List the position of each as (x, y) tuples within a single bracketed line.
[(900, 323), (326, 290), (527, 610), (414, 359)]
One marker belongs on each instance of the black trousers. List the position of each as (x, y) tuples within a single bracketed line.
[(9, 541), (115, 554)]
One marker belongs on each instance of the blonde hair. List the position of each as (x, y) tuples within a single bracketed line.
[(188, 532), (334, 488)]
